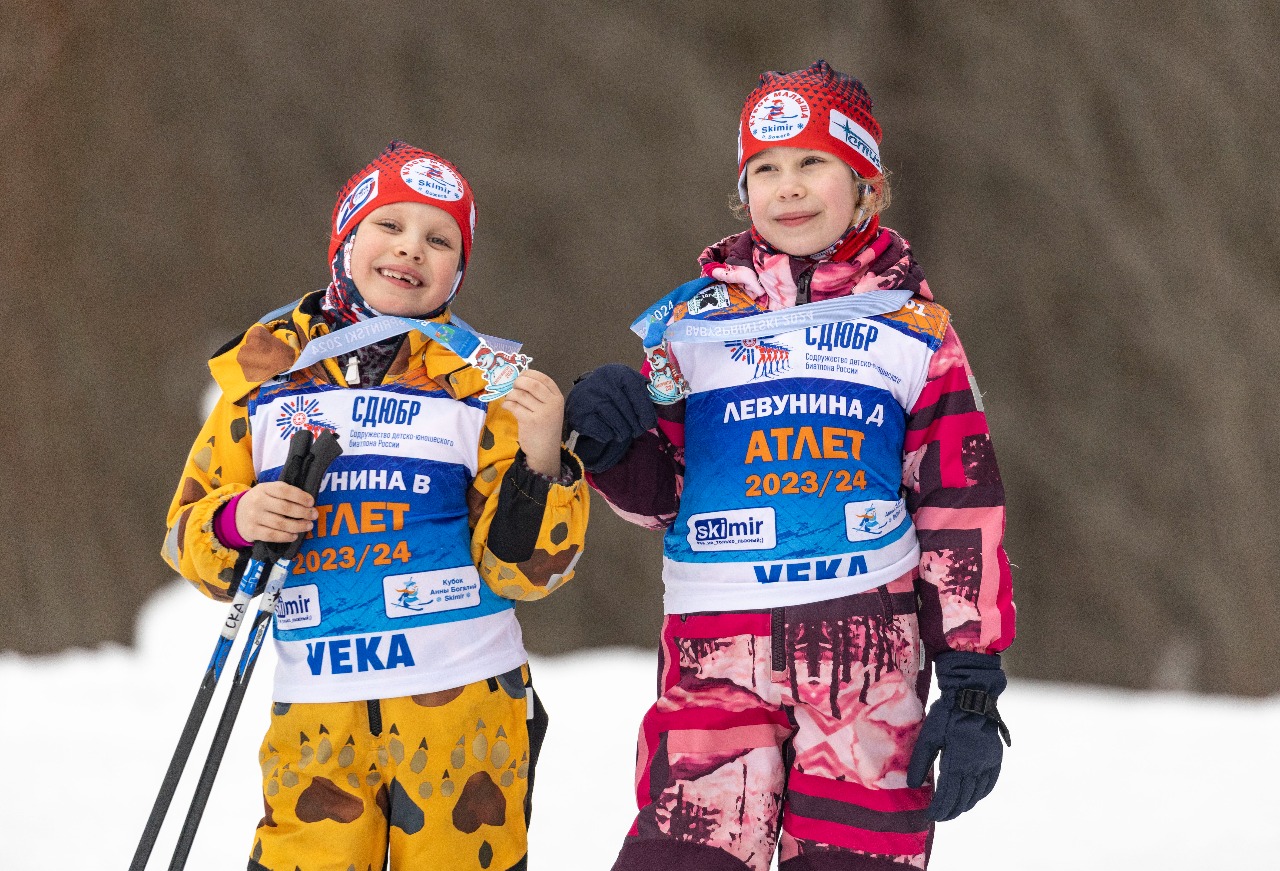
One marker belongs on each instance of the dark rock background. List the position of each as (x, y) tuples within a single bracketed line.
[(1090, 186)]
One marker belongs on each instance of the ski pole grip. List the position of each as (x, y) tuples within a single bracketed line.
[(295, 465), (324, 451), (291, 472)]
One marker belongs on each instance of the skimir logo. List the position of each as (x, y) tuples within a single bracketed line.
[(737, 529), (768, 357), (299, 413), (365, 191), (779, 115), (867, 520), (298, 607), (431, 178)]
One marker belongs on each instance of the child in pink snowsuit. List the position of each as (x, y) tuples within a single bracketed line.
[(807, 431)]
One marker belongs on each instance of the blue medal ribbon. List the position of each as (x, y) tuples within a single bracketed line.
[(653, 323), (668, 386), (696, 328), (499, 360)]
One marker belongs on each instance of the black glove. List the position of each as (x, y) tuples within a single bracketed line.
[(609, 408), (966, 727)]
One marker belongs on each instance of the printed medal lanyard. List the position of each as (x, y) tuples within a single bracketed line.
[(667, 386), (481, 351)]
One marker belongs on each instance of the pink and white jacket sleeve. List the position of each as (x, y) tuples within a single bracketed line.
[(956, 500)]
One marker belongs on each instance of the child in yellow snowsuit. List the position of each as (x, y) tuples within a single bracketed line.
[(404, 718)]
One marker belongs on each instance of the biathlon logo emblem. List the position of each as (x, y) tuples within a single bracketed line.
[(302, 412), (768, 357), (778, 115), (432, 178), (362, 193)]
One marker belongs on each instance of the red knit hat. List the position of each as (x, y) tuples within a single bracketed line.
[(816, 108), (402, 173)]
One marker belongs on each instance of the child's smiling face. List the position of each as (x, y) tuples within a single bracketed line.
[(405, 258), (801, 200)]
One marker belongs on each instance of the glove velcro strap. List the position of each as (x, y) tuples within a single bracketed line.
[(980, 702)]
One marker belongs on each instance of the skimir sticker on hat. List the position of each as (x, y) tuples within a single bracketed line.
[(778, 115), (817, 108), (363, 192), (432, 178), (402, 173)]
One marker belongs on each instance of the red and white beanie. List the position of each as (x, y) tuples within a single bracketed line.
[(816, 108), (402, 173)]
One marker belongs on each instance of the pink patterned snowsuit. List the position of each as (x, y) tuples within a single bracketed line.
[(787, 723)]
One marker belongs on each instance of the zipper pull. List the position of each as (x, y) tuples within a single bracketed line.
[(802, 286), (353, 370)]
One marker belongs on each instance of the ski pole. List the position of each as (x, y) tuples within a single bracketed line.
[(325, 450), (262, 557)]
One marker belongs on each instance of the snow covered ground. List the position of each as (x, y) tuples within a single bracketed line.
[(1097, 779)]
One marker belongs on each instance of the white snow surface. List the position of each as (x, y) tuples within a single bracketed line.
[(1097, 778)]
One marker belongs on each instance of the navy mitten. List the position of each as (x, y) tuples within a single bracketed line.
[(966, 728), (609, 408)]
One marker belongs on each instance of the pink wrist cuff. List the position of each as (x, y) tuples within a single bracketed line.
[(224, 524)]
